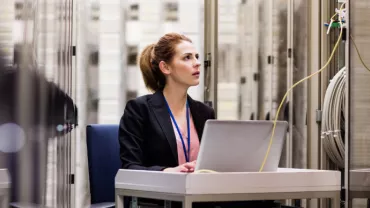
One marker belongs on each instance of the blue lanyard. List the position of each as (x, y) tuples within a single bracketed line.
[(187, 153)]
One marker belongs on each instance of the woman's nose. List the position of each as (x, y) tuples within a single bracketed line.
[(197, 63)]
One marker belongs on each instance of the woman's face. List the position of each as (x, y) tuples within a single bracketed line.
[(185, 65)]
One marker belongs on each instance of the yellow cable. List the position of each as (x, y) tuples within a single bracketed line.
[(300, 81), (359, 55), (291, 88)]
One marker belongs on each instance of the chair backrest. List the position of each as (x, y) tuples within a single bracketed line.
[(104, 161)]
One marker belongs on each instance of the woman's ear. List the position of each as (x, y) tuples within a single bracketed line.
[(163, 66)]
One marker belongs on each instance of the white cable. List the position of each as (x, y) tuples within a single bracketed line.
[(333, 108)]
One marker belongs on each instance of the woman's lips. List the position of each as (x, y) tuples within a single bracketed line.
[(196, 74)]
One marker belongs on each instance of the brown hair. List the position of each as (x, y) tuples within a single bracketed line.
[(153, 54)]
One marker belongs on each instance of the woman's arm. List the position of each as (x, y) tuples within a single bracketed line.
[(131, 139), (211, 113)]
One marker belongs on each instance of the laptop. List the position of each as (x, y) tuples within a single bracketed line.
[(240, 146)]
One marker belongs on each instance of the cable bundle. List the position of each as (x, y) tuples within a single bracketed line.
[(333, 119)]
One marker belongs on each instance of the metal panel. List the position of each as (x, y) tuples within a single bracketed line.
[(281, 39), (300, 55), (211, 51), (313, 145), (83, 74), (40, 99), (248, 28), (74, 134), (290, 82), (359, 95), (254, 84), (348, 109), (7, 14)]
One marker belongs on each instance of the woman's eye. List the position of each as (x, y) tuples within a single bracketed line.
[(187, 57)]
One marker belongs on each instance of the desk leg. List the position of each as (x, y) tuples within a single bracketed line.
[(336, 201), (187, 203), (167, 204), (5, 200), (120, 201)]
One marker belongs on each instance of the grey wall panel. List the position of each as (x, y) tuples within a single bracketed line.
[(300, 53), (297, 36), (359, 120), (360, 86)]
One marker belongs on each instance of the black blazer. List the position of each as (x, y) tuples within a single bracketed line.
[(146, 136)]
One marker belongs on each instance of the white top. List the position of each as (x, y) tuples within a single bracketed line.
[(284, 180)]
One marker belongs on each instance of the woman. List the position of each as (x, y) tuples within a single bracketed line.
[(156, 130), (162, 131)]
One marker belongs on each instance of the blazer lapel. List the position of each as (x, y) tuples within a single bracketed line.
[(163, 117), (197, 116)]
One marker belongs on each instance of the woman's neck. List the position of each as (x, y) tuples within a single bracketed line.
[(176, 97)]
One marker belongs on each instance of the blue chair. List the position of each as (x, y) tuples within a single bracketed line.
[(104, 163)]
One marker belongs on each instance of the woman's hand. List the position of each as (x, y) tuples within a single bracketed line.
[(184, 168)]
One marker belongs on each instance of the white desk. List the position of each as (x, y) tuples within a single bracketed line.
[(203, 187), (4, 188)]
